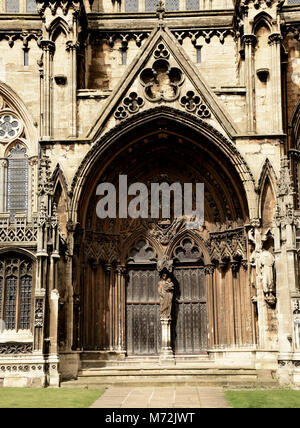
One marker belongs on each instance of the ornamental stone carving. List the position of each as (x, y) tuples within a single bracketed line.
[(10, 127), (262, 264), (266, 263), (161, 82), (165, 291)]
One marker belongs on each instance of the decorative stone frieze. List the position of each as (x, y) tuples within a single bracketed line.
[(24, 36), (15, 348), (65, 5), (18, 231)]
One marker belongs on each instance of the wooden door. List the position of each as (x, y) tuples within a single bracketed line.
[(143, 329), (189, 324)]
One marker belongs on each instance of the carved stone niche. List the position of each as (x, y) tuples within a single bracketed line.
[(161, 81)]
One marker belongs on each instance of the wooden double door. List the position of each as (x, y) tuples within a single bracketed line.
[(189, 318)]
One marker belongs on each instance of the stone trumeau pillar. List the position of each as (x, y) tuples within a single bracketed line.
[(63, 27), (286, 269)]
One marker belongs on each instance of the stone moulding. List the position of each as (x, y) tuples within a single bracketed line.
[(110, 37), (24, 36)]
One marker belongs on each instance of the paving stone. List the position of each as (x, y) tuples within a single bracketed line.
[(160, 398)]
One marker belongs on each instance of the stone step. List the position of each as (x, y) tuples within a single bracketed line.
[(165, 371), (170, 376), (233, 382)]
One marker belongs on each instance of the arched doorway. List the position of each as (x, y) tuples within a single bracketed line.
[(116, 276)]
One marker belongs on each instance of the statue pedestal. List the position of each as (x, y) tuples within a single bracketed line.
[(166, 353)]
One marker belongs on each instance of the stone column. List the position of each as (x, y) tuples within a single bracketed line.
[(53, 360), (209, 274), (121, 284), (166, 353), (3, 185), (73, 47), (275, 43), (250, 42), (48, 48)]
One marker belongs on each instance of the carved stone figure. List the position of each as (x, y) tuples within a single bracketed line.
[(165, 291), (266, 265)]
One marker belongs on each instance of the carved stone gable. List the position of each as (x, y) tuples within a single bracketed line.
[(163, 75)]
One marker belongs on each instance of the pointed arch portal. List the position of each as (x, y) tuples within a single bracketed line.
[(115, 262)]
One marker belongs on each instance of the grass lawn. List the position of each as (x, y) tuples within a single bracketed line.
[(259, 399), (47, 398)]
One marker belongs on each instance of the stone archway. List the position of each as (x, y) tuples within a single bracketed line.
[(163, 150)]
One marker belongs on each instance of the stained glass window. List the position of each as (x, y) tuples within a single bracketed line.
[(151, 5), (17, 181), (12, 6), (172, 5), (131, 5), (16, 287), (192, 4), (31, 6)]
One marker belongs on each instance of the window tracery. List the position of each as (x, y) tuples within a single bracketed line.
[(15, 292)]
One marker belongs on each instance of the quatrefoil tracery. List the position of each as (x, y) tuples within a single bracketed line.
[(133, 102)]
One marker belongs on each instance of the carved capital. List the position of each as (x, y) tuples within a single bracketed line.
[(209, 269), (275, 38), (48, 46), (249, 39), (72, 45), (235, 265)]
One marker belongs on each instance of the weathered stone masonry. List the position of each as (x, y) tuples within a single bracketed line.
[(183, 90)]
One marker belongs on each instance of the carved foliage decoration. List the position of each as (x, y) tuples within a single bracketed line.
[(285, 182), (15, 348)]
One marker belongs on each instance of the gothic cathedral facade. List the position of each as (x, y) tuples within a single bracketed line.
[(175, 91)]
